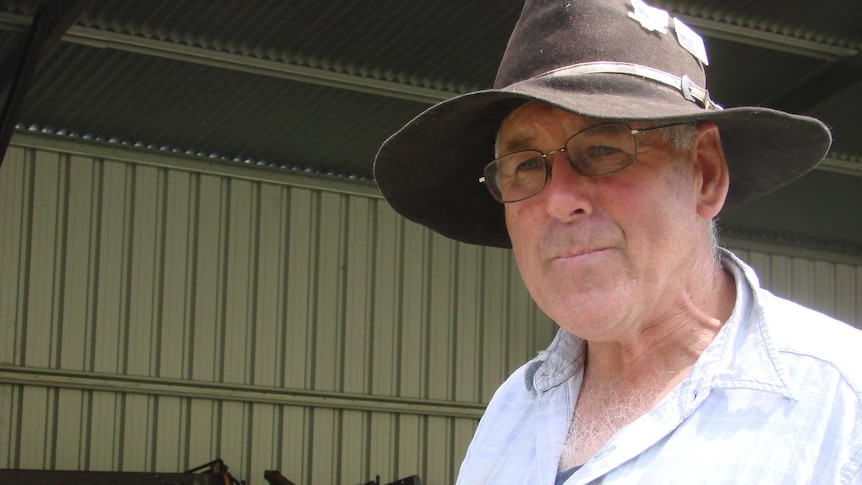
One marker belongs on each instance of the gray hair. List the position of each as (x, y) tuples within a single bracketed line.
[(714, 244), (680, 137)]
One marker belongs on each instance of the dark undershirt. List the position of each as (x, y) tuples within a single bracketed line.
[(563, 476)]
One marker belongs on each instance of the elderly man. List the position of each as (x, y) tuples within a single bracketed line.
[(601, 160)]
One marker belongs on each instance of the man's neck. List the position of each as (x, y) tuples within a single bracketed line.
[(624, 381), (669, 345)]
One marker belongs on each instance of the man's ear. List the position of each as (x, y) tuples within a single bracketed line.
[(711, 170)]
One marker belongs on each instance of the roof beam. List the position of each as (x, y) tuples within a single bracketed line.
[(130, 43), (769, 40), (168, 50), (844, 167)]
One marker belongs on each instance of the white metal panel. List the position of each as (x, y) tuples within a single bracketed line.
[(208, 300), (328, 343), (33, 450), (14, 250), (437, 335), (73, 407), (75, 348), (299, 278), (386, 300), (197, 444), (848, 288), (176, 286), (268, 294), (43, 264), (467, 346), (825, 282)]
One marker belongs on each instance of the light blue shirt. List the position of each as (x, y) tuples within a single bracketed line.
[(776, 398)]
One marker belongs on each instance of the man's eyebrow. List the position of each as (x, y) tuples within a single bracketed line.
[(525, 142), (518, 143)]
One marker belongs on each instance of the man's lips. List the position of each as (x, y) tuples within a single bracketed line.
[(571, 254), (571, 242)]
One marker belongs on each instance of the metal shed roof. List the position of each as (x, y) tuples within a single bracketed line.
[(317, 86)]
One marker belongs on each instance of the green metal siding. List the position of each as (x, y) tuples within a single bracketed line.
[(160, 311)]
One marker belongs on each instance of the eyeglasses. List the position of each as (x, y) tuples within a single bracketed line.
[(595, 152)]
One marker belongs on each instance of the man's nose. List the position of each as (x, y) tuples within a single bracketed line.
[(568, 193)]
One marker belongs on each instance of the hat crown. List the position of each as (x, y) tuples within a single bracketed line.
[(552, 34), (603, 59)]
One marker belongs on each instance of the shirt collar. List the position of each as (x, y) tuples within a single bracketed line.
[(560, 361), (742, 355)]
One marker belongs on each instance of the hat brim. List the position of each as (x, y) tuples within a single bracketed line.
[(429, 170)]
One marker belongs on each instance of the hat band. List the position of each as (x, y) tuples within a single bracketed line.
[(684, 84)]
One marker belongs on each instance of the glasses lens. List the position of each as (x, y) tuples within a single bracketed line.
[(516, 176), (602, 149)]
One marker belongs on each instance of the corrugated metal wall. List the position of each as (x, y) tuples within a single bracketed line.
[(158, 314), (830, 283), (159, 311)]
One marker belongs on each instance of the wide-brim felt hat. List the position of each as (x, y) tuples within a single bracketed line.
[(602, 59)]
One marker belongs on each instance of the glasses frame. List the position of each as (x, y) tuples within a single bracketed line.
[(545, 155)]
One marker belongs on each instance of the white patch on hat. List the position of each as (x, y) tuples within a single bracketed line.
[(690, 40), (650, 18)]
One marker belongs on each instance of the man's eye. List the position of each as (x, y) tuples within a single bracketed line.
[(531, 164), (602, 151)]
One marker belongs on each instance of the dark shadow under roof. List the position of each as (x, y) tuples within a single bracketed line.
[(317, 86)]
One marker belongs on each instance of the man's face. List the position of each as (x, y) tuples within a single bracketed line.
[(603, 257)]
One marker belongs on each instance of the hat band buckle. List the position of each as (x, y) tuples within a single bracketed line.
[(690, 91)]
